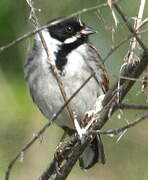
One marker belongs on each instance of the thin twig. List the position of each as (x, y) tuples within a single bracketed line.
[(120, 129), (132, 57), (64, 152), (143, 23), (130, 106), (25, 36), (110, 3), (57, 77), (131, 29), (114, 48), (143, 31), (133, 79), (54, 70)]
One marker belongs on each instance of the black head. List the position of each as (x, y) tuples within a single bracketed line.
[(70, 28)]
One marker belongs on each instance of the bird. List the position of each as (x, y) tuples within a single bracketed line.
[(75, 58)]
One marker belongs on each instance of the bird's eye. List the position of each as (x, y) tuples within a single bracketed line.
[(69, 29)]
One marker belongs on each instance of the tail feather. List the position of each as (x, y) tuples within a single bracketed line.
[(94, 153)]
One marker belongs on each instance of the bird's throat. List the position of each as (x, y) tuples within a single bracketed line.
[(65, 50)]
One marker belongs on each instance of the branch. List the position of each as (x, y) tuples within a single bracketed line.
[(28, 35), (129, 106), (57, 160), (120, 129), (134, 45), (114, 48), (55, 72), (134, 79), (131, 29), (143, 23)]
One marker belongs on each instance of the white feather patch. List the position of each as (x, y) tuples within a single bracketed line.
[(75, 60), (71, 39), (53, 45)]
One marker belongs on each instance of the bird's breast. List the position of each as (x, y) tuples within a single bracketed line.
[(45, 91), (76, 61)]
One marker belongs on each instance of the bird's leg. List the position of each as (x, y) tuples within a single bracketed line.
[(59, 146)]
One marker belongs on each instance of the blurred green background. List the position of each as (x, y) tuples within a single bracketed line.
[(20, 119)]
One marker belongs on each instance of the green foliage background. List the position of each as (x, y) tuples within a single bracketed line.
[(20, 119)]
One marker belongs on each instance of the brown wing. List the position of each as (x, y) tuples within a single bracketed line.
[(97, 65), (105, 81)]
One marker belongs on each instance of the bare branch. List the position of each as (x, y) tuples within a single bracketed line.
[(57, 160), (143, 23), (54, 70), (132, 57), (129, 106), (143, 31), (133, 79), (140, 14), (114, 48), (121, 129), (25, 36), (131, 29)]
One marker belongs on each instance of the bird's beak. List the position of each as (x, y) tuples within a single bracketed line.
[(87, 30)]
